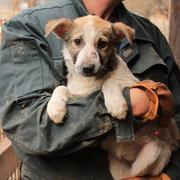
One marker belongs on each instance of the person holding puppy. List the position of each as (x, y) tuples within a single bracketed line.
[(32, 66)]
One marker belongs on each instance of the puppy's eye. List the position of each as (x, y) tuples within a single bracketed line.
[(102, 44), (77, 42)]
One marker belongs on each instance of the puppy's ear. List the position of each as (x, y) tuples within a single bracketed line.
[(121, 30), (58, 26)]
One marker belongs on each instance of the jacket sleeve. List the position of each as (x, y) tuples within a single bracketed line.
[(26, 86)]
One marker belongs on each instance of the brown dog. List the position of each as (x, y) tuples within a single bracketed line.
[(92, 64)]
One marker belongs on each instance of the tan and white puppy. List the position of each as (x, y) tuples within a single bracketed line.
[(92, 63)]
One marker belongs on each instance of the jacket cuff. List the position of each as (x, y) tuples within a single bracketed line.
[(160, 101), (126, 94), (124, 129)]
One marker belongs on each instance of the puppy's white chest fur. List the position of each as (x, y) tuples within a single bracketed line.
[(82, 86)]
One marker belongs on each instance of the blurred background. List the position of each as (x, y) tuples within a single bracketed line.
[(155, 10)]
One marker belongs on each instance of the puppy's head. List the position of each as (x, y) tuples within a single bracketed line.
[(90, 41)]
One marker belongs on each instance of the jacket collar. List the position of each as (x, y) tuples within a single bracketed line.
[(81, 9)]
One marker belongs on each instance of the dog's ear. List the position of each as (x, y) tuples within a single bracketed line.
[(121, 30), (58, 26)]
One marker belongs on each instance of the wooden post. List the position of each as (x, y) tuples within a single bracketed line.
[(174, 29)]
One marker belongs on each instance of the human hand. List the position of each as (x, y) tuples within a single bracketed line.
[(139, 102)]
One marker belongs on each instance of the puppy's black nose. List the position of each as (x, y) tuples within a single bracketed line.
[(88, 69)]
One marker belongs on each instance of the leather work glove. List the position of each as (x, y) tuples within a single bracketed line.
[(162, 176), (160, 101)]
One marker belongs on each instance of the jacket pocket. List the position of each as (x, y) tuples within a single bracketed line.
[(27, 67)]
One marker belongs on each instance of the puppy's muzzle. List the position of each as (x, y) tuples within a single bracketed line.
[(88, 69)]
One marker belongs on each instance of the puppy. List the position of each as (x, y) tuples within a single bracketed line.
[(92, 63)]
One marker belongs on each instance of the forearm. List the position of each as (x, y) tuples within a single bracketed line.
[(36, 134)]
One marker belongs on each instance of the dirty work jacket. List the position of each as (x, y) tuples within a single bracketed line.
[(31, 66)]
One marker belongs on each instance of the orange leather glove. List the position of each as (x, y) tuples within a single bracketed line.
[(162, 176), (160, 101)]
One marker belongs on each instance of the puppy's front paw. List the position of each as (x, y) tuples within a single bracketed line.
[(56, 111), (56, 107), (117, 108)]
